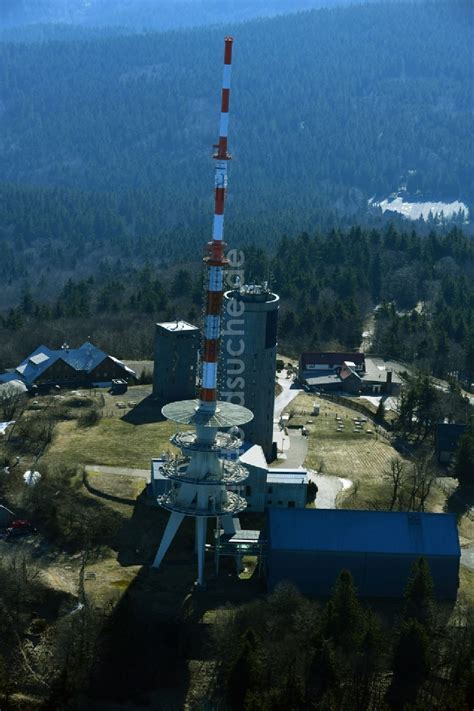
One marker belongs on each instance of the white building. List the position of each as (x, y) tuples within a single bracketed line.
[(281, 488), (286, 488)]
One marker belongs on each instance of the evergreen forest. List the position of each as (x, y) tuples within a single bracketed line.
[(420, 286), (32, 18), (106, 179), (109, 110), (329, 108)]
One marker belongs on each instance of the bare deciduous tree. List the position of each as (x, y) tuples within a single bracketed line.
[(397, 474), (11, 401), (423, 478)]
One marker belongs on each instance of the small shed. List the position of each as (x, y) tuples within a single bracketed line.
[(310, 547)]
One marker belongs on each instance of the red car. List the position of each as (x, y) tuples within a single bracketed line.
[(20, 528)]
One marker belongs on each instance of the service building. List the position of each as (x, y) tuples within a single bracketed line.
[(310, 547)]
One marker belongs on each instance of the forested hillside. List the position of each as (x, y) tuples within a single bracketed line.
[(327, 284), (107, 178), (147, 14), (328, 108)]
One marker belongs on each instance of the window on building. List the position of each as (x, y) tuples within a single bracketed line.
[(248, 491), (269, 502), (291, 504), (280, 503), (270, 490)]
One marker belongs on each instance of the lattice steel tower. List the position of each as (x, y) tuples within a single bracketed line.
[(199, 481)]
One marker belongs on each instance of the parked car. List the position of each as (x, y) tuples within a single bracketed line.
[(19, 528)]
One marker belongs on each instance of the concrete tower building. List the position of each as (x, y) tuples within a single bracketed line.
[(176, 361), (249, 358)]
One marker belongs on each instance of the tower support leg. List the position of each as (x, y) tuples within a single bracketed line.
[(239, 566), (201, 526), (172, 526)]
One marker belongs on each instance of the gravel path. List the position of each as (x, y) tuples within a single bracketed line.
[(296, 453)]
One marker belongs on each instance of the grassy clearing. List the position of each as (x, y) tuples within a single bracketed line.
[(466, 586), (390, 415), (466, 530), (129, 436), (348, 453), (358, 456), (115, 490), (111, 442)]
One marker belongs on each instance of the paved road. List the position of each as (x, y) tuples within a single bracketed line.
[(289, 392), (296, 448), (328, 489), (295, 454), (119, 471)]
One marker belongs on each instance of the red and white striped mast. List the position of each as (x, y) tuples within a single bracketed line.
[(202, 483), (216, 260)]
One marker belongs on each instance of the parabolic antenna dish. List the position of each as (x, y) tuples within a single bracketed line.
[(187, 412)]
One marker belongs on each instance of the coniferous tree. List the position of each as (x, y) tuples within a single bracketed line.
[(419, 603), (464, 458), (411, 663), (244, 670), (344, 619)]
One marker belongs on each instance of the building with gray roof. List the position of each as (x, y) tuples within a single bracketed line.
[(68, 367)]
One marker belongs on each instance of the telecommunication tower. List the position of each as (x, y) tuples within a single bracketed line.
[(200, 479)]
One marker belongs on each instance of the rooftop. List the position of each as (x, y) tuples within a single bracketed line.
[(331, 358), (373, 374), (83, 359), (342, 530), (378, 372), (254, 457), (174, 326), (275, 477), (322, 379), (252, 293)]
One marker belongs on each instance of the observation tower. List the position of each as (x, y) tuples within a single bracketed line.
[(204, 481), (258, 308)]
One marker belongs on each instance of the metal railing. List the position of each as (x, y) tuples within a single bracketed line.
[(234, 505)]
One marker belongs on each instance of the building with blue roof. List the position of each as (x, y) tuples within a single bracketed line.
[(69, 367), (310, 547)]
